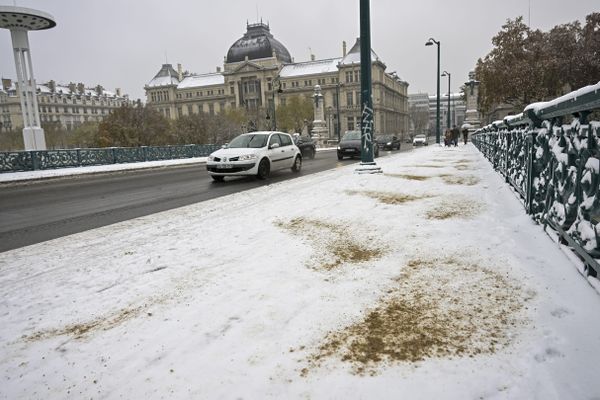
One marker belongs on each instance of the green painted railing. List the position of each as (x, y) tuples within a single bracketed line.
[(554, 166), (14, 161)]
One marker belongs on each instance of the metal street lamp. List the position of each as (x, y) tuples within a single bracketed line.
[(367, 164), (448, 75), (337, 103), (278, 83), (431, 42)]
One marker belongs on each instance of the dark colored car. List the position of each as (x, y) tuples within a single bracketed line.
[(349, 146), (388, 142), (307, 146)]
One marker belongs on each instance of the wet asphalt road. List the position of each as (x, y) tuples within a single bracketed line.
[(43, 210)]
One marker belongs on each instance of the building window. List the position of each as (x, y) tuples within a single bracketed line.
[(189, 109), (211, 109), (356, 76), (179, 111), (349, 99), (349, 77), (231, 90), (350, 123)]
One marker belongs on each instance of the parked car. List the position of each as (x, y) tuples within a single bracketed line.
[(307, 146), (256, 153), (388, 142), (420, 140), (350, 145)]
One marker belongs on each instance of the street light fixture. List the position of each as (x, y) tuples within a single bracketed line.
[(448, 75), (431, 42)]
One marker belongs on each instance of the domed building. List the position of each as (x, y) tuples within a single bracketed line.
[(257, 43), (259, 75)]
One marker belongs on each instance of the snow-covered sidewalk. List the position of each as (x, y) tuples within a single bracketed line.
[(427, 281)]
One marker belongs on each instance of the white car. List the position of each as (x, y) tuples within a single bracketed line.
[(420, 140), (256, 153)]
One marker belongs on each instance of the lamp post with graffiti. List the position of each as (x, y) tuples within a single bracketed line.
[(367, 164)]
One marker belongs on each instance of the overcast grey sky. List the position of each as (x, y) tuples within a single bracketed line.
[(122, 43)]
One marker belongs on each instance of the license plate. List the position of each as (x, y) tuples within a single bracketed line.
[(224, 166)]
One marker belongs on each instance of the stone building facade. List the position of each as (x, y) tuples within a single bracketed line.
[(259, 75), (457, 111), (70, 105)]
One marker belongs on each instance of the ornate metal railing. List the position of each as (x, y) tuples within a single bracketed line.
[(48, 159), (554, 166)]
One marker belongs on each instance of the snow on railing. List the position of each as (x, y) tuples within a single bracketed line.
[(554, 167)]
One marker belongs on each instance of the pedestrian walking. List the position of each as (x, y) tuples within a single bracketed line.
[(465, 133), (447, 138), (455, 135)]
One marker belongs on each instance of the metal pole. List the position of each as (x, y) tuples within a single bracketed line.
[(366, 122), (337, 98), (449, 111), (437, 129), (274, 117)]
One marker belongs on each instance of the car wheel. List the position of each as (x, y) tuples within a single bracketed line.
[(340, 157), (297, 164), (218, 178), (263, 169)]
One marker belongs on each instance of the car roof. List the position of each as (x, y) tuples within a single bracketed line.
[(264, 133)]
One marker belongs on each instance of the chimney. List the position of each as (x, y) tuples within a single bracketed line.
[(118, 92), (52, 86), (179, 73), (219, 69), (80, 88), (72, 87), (6, 83), (99, 90), (312, 57), (344, 48)]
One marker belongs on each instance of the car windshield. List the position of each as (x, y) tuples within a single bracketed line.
[(352, 135), (420, 137), (249, 140), (384, 138)]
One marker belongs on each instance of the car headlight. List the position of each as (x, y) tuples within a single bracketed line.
[(247, 157), (339, 148), (211, 158), (389, 143)]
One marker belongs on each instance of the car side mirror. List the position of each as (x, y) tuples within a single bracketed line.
[(274, 146)]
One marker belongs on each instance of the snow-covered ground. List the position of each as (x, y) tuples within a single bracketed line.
[(428, 281)]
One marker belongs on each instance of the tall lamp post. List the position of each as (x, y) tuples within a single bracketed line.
[(448, 75), (431, 42), (337, 103), (367, 164), (278, 83), (20, 20)]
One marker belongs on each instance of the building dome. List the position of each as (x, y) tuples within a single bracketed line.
[(257, 42)]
